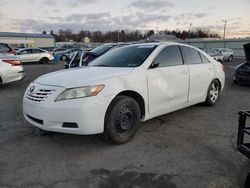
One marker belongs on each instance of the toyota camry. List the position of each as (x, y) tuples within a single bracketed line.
[(121, 88)]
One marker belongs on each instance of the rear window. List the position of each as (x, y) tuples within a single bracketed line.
[(101, 49), (129, 56), (4, 48)]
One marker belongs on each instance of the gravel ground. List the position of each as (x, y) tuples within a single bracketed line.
[(193, 147)]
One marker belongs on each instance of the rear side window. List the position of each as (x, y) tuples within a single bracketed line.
[(169, 56), (191, 55), (204, 59)]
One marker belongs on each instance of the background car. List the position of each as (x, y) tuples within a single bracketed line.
[(228, 54), (64, 55), (10, 69), (122, 87), (34, 55), (214, 54), (82, 58), (5, 48), (242, 73)]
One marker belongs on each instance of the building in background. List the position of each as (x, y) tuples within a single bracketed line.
[(24, 40)]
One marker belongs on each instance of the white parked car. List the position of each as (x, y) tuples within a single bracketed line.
[(214, 54), (124, 86), (228, 54), (10, 69), (34, 55)]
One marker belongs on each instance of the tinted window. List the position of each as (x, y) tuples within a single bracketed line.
[(27, 51), (36, 51), (102, 49), (4, 48), (129, 56), (204, 59), (169, 56), (192, 56)]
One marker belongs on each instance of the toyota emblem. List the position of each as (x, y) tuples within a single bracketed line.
[(32, 89)]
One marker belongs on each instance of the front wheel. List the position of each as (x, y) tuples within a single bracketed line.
[(122, 119), (213, 93), (230, 58)]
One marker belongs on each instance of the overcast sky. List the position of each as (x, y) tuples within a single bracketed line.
[(39, 15)]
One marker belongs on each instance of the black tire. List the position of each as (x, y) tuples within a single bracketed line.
[(44, 60), (121, 120), (64, 58), (230, 58), (213, 93), (40, 132)]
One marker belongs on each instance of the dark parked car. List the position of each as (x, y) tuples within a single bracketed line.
[(64, 55), (242, 73), (82, 58), (5, 48)]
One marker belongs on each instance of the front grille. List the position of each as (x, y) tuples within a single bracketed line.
[(40, 95)]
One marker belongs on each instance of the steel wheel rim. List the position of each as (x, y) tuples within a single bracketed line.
[(124, 120), (214, 92)]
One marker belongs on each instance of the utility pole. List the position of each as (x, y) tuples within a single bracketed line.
[(225, 27), (118, 36), (189, 32)]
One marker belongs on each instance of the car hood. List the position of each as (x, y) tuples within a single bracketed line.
[(81, 76)]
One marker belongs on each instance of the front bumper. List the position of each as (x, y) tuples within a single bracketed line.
[(87, 113)]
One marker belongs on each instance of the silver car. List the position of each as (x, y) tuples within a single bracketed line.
[(10, 69), (228, 54), (214, 54), (34, 55)]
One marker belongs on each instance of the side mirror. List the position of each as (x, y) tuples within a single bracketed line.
[(154, 65)]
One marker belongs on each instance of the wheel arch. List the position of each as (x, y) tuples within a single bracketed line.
[(134, 95)]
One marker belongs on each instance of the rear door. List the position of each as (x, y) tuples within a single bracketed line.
[(37, 54), (168, 82), (201, 73)]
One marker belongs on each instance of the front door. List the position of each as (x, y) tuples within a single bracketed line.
[(168, 81)]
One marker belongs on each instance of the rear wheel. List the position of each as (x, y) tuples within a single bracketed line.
[(64, 58), (213, 93), (121, 120), (44, 60)]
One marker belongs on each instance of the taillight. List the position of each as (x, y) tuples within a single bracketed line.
[(13, 62), (223, 68), (11, 51)]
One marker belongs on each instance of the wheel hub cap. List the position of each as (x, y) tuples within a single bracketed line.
[(214, 92), (124, 119)]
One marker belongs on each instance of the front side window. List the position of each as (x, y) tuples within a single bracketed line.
[(191, 55), (169, 56), (129, 56), (27, 51)]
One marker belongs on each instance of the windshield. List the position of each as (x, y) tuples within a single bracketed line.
[(211, 52), (101, 49), (129, 56)]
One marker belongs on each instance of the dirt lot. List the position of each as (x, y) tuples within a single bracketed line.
[(194, 147)]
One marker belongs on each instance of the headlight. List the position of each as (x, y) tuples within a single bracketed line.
[(80, 92)]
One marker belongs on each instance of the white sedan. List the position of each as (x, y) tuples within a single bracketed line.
[(124, 86), (34, 55), (10, 69)]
